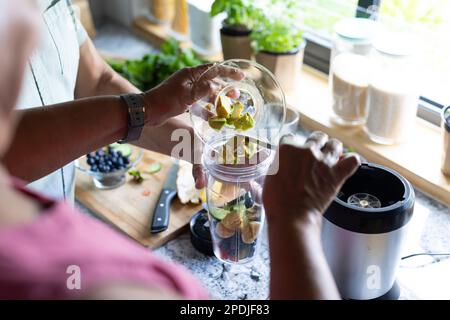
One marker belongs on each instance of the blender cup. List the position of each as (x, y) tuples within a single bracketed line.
[(239, 135), (234, 197)]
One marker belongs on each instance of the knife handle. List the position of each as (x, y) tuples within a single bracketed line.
[(162, 211)]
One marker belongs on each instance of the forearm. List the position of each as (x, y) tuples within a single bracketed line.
[(298, 266), (47, 138)]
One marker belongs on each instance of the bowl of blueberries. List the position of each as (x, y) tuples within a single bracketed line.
[(108, 166)]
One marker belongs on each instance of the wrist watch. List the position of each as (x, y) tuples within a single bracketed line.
[(136, 116)]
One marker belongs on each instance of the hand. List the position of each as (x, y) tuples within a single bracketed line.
[(308, 179), (178, 93)]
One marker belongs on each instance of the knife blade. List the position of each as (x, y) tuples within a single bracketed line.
[(161, 214)]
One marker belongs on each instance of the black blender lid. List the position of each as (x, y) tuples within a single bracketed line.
[(374, 200), (200, 233), (446, 118)]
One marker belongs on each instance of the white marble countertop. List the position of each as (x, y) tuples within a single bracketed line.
[(419, 278)]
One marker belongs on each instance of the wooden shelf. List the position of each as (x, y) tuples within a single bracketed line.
[(158, 34), (418, 160)]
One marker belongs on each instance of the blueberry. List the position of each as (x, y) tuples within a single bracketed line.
[(113, 154), (126, 160), (97, 158), (91, 161), (89, 155), (119, 153), (110, 149), (94, 168), (107, 168), (100, 153), (109, 163), (102, 169), (120, 161)]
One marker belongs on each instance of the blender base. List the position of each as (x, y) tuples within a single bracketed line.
[(392, 294)]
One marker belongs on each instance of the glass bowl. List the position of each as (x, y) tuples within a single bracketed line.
[(260, 96), (111, 180)]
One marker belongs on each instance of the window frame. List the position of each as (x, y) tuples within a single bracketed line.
[(318, 55)]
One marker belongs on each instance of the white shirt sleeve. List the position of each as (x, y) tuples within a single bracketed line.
[(82, 35)]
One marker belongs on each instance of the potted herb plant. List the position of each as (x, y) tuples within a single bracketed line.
[(279, 46), (237, 27)]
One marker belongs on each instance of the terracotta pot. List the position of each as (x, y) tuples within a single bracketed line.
[(285, 66), (236, 43)]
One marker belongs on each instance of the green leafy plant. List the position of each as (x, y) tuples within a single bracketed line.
[(241, 14), (154, 68), (277, 35)]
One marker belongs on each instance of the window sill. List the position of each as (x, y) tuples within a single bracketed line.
[(418, 160)]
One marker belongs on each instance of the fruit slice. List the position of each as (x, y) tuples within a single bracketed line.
[(219, 213), (154, 168), (237, 108), (217, 123), (232, 221), (250, 231), (223, 108), (245, 122), (224, 232), (122, 148)]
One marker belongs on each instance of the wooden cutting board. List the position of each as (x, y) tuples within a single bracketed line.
[(130, 207)]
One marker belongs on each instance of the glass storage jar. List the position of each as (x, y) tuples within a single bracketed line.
[(393, 93), (350, 70)]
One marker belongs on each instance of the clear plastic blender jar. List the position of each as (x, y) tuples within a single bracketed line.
[(239, 134)]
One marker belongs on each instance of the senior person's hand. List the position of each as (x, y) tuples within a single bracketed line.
[(183, 89), (308, 179), (180, 92)]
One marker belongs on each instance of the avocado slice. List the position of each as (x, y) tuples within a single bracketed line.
[(245, 122), (223, 108), (237, 109), (219, 213), (217, 123)]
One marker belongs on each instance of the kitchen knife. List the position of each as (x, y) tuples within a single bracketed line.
[(162, 210)]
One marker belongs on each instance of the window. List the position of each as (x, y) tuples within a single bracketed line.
[(427, 20)]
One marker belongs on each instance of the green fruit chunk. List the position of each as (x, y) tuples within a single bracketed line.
[(245, 122), (223, 108), (217, 123), (219, 213), (122, 148), (154, 168), (237, 108)]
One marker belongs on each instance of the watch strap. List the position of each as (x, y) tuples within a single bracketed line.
[(136, 116)]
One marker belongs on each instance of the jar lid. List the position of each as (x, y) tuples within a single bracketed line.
[(446, 118), (254, 106), (395, 44), (356, 29)]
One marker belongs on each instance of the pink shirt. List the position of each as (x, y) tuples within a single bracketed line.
[(35, 257)]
